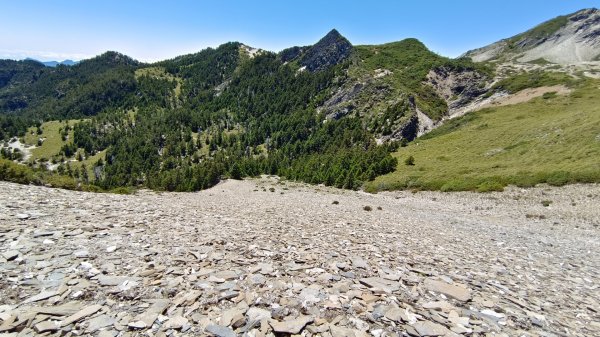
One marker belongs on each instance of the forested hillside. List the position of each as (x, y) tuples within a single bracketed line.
[(329, 113)]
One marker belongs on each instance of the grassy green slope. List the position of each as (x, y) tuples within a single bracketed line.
[(52, 139), (554, 140)]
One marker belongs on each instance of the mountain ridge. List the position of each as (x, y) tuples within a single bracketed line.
[(566, 39), (329, 113)]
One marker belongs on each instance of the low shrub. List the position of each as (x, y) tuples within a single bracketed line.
[(490, 186)]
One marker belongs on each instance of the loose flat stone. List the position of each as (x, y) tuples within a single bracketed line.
[(401, 315), (265, 268), (46, 326), (257, 279), (220, 331), (338, 331), (310, 295), (439, 305), (127, 284), (10, 255), (379, 283), (86, 265), (227, 295), (176, 322), (427, 328), (92, 309), (255, 314), (111, 249), (82, 254), (137, 325), (100, 322), (40, 233), (456, 319), (151, 314), (75, 232), (456, 292), (41, 296), (22, 216), (226, 275), (459, 329), (106, 280), (292, 326), (396, 314), (60, 310), (107, 333), (230, 315), (492, 313), (359, 262)]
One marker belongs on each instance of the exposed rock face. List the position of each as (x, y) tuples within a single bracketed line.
[(576, 40), (341, 103), (291, 54), (457, 88), (330, 50), (408, 130)]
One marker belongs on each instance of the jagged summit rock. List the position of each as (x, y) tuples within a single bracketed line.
[(567, 39), (332, 49)]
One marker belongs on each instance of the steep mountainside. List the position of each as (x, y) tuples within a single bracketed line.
[(566, 39)]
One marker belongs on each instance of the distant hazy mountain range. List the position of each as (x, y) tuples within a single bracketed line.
[(53, 64)]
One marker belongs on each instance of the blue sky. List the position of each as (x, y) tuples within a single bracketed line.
[(153, 30)]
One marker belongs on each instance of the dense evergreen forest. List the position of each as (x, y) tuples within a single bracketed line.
[(183, 124)]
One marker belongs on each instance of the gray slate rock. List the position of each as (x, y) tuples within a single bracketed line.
[(292, 326), (427, 328), (220, 331), (456, 292)]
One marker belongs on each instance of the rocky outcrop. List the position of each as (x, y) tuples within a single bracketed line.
[(342, 101), (457, 87), (330, 50), (292, 53), (567, 39), (408, 130)]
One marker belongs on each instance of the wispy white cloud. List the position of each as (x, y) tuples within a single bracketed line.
[(41, 55)]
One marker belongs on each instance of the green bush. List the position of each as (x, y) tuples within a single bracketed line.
[(559, 178), (58, 181), (458, 185), (490, 186), (16, 173), (122, 190), (524, 180)]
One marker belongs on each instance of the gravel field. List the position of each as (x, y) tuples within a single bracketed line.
[(272, 258)]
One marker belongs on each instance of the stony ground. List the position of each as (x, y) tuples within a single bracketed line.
[(264, 258)]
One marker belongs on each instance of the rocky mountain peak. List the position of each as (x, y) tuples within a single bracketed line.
[(332, 49)]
